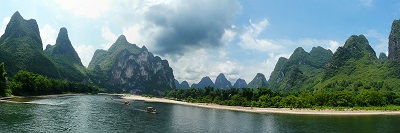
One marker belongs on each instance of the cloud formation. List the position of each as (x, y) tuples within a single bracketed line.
[(195, 24), (86, 8), (4, 25), (85, 52), (48, 35)]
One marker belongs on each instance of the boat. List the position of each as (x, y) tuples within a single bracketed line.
[(126, 103), (151, 110)]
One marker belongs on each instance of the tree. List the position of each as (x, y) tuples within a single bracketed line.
[(3, 80)]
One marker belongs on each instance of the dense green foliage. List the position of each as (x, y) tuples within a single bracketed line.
[(264, 97), (26, 83), (21, 48), (383, 57), (300, 70), (3, 80), (356, 67)]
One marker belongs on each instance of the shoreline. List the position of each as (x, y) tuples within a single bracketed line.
[(263, 110), (12, 98)]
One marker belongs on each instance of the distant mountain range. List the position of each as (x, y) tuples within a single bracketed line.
[(125, 67)]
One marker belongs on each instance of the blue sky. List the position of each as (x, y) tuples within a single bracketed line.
[(207, 37)]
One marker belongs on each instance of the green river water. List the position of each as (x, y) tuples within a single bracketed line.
[(98, 113)]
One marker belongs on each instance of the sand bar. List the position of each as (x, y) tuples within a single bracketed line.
[(265, 110)]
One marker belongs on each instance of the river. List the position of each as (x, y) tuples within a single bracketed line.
[(105, 113)]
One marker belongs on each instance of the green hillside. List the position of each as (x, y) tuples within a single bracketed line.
[(300, 70), (21, 48), (355, 67), (66, 59)]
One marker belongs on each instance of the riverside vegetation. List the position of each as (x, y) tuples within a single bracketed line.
[(352, 77), (25, 83), (264, 97)]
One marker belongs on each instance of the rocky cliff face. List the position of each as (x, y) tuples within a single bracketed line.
[(128, 68), (204, 82), (222, 83), (240, 84), (394, 42)]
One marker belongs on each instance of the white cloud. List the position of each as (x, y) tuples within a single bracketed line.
[(85, 52), (333, 45), (4, 25), (108, 36), (191, 67), (48, 35), (381, 45), (87, 8), (228, 36), (249, 38)]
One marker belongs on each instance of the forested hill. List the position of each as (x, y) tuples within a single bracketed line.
[(299, 70), (66, 59), (21, 48)]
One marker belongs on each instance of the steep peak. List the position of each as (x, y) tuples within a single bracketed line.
[(16, 16), (62, 38), (222, 82), (359, 43), (221, 75), (299, 50), (258, 81), (240, 83), (64, 48), (121, 39), (63, 31), (260, 75), (121, 44), (19, 27), (394, 38), (144, 48), (204, 82), (299, 53)]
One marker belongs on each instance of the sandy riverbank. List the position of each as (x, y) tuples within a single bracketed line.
[(29, 98), (265, 110)]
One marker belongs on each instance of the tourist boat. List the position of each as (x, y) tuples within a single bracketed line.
[(151, 110)]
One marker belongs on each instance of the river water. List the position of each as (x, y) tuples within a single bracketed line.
[(105, 113)]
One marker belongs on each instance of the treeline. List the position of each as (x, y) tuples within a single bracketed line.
[(25, 83), (264, 97)]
